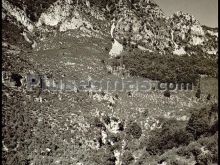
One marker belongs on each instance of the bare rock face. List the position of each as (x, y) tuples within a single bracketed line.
[(188, 32), (142, 23), (137, 22)]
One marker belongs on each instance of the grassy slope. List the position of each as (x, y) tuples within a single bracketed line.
[(64, 125)]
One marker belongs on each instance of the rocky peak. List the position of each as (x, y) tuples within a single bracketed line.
[(137, 23)]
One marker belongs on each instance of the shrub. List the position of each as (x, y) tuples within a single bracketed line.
[(208, 97), (121, 127), (97, 123), (211, 144), (203, 122), (127, 158), (103, 61), (116, 96), (197, 127), (107, 120), (204, 159), (104, 157), (198, 93), (194, 148), (167, 93), (129, 93), (214, 108), (146, 113), (172, 134), (134, 130), (183, 151), (114, 138)]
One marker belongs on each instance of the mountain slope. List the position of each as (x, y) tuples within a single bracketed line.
[(72, 40)]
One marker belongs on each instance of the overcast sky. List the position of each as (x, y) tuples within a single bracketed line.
[(205, 11)]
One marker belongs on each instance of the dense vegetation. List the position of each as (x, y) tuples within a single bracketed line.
[(195, 139), (167, 68), (200, 131)]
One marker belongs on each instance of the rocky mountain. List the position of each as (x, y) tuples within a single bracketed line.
[(138, 23)]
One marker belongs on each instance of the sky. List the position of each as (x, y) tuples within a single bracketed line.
[(205, 11)]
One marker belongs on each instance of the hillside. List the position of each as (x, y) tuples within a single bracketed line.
[(109, 41)]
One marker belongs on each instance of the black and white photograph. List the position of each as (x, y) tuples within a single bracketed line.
[(109, 82)]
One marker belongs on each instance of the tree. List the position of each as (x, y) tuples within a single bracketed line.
[(198, 123)]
